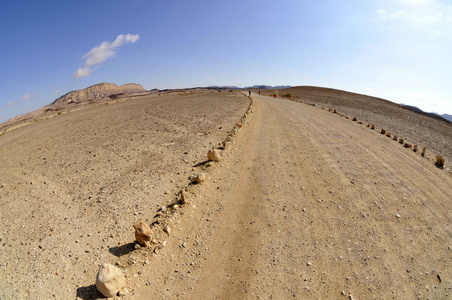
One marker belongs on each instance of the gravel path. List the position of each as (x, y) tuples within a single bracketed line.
[(309, 205)]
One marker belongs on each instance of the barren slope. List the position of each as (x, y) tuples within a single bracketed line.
[(308, 205), (423, 130)]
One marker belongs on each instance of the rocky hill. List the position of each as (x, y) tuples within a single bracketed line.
[(98, 91)]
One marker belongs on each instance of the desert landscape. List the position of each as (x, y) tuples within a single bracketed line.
[(306, 202)]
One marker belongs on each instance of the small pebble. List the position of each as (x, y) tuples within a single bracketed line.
[(123, 292), (201, 178), (397, 215)]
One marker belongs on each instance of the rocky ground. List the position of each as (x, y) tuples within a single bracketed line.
[(72, 185), (431, 133), (304, 204)]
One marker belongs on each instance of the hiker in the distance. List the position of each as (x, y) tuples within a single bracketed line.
[(259, 93), (249, 92), (274, 95)]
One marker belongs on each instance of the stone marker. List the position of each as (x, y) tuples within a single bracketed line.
[(440, 160), (383, 131), (423, 151), (110, 280), (200, 178), (415, 148), (167, 229), (395, 138), (143, 233), (184, 197), (401, 141), (213, 155)]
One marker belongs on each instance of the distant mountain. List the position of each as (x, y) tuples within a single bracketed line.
[(230, 87), (98, 91), (260, 87), (269, 87), (445, 117)]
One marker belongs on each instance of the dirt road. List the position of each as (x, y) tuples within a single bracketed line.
[(308, 205)]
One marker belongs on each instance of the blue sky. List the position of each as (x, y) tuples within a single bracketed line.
[(399, 50)]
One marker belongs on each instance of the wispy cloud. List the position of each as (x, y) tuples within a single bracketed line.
[(437, 33), (56, 91), (385, 15), (103, 52), (25, 97), (10, 103)]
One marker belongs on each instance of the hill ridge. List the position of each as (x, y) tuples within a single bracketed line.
[(97, 91)]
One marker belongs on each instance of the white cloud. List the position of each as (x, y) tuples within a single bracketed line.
[(397, 14), (25, 97), (437, 33), (103, 52), (10, 103), (82, 72), (415, 2), (56, 91), (382, 13)]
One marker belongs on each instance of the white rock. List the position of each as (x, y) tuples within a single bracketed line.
[(123, 292), (143, 233), (167, 229), (201, 178), (110, 280), (213, 155)]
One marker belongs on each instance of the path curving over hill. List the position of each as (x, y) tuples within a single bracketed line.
[(308, 205)]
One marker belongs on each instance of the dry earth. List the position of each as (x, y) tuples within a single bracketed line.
[(304, 204), (72, 185), (425, 131)]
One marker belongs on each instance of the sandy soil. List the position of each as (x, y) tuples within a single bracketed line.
[(305, 204), (73, 185), (434, 134)]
